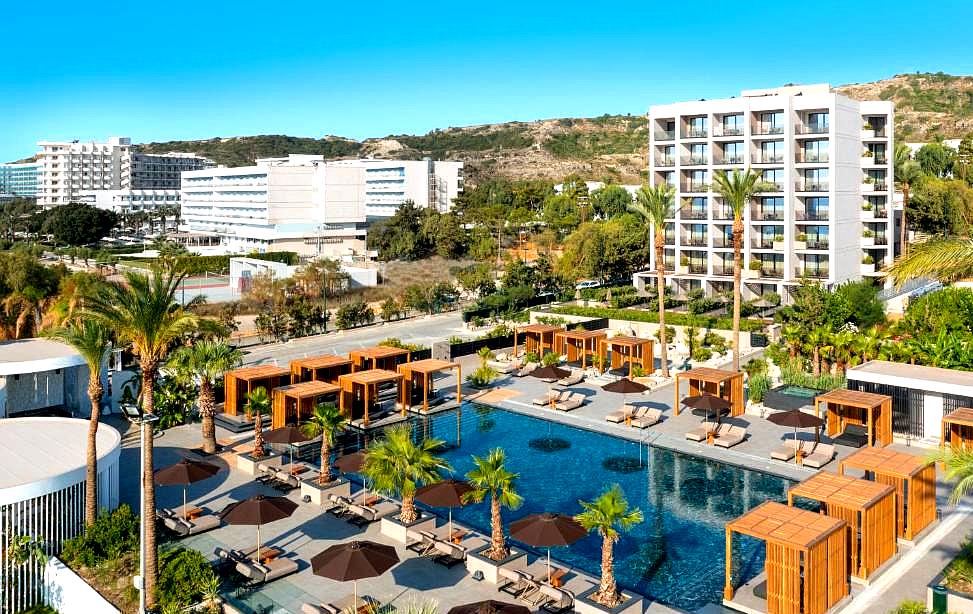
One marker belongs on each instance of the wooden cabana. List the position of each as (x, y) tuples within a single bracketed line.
[(631, 349), (418, 376), (724, 384), (362, 387), (806, 562), (241, 382), (914, 481), (578, 344), (867, 507), (537, 337), (958, 429), (295, 402), (324, 368), (378, 357), (854, 407)]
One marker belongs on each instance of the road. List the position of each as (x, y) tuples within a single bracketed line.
[(420, 331)]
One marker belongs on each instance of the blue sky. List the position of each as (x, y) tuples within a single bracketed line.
[(185, 70)]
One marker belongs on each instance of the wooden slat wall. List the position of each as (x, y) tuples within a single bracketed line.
[(837, 584), (230, 384), (922, 501), (783, 567), (815, 589), (736, 396), (899, 485), (278, 410), (878, 536), (851, 516)]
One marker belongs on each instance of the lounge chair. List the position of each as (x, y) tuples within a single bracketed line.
[(184, 528), (646, 418), (500, 367), (700, 432), (552, 396), (425, 544), (515, 582), (525, 370), (260, 573), (338, 505), (559, 601), (573, 379), (787, 450), (450, 554), (729, 437), (573, 400), (340, 606), (361, 516), (821, 455), (627, 411)]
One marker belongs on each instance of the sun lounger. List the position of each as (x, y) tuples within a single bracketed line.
[(525, 370), (574, 400), (552, 396), (627, 411), (450, 554), (361, 516), (340, 606), (515, 582), (821, 455), (646, 418), (339, 505), (424, 544), (787, 450), (575, 378), (731, 436), (558, 600), (500, 367), (260, 573), (184, 528), (700, 432)]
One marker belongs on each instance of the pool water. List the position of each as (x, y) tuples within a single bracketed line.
[(675, 556), (798, 391)]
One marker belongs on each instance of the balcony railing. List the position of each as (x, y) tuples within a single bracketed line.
[(665, 135), (880, 160), (670, 239), (762, 244), (880, 186), (881, 240), (811, 156), (668, 265), (694, 133), (665, 161), (770, 215), (811, 272), (762, 129), (811, 186), (728, 131), (695, 186), (695, 241), (817, 244), (722, 213), (697, 160), (812, 128), (721, 241), (731, 159), (814, 215), (772, 272), (772, 186), (692, 213), (697, 268), (724, 270), (762, 158)]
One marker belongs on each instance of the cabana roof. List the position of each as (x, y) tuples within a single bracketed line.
[(708, 374), (841, 490), (321, 362), (538, 328), (788, 526), (372, 376), (581, 334), (629, 341), (852, 398), (429, 365), (885, 461), (303, 390), (258, 372), (378, 351), (963, 416)]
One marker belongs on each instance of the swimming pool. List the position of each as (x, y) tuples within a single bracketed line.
[(676, 556)]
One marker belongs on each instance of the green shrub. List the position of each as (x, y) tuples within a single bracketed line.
[(112, 535), (675, 319), (531, 357), (715, 342), (792, 373), (910, 607), (395, 342), (759, 385), (551, 359), (756, 366), (638, 371), (702, 354), (354, 314), (184, 577), (482, 376), (500, 330)]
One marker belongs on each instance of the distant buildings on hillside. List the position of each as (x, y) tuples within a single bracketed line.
[(19, 180)]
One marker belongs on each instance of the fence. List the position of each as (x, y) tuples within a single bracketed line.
[(489, 312), (420, 354), (472, 347)]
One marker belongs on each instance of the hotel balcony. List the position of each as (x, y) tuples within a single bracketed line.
[(696, 160), (723, 270), (874, 134), (721, 131), (665, 135), (757, 214), (814, 215), (695, 240), (665, 161), (811, 272), (722, 241), (694, 186), (805, 157), (816, 244), (803, 128), (722, 213), (807, 185), (670, 238), (731, 159), (697, 268), (761, 243), (692, 213), (761, 129), (694, 133), (761, 158), (772, 272)]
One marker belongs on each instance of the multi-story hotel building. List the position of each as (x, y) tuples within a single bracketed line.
[(302, 203), (73, 171), (826, 216), (19, 180)]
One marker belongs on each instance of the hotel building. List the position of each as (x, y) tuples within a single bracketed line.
[(19, 180), (826, 215), (302, 203)]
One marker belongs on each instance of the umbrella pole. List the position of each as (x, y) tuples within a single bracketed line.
[(450, 533), (356, 594), (795, 446), (184, 489), (257, 554), (548, 564)]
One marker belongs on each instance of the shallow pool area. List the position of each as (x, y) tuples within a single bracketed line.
[(675, 556)]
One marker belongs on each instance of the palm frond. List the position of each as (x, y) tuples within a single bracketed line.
[(947, 260)]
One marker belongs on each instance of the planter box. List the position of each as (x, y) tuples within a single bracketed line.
[(868, 214), (632, 603), (319, 494), (800, 244), (248, 464), (476, 561), (682, 269), (778, 246), (868, 241), (68, 592), (750, 274), (867, 160), (868, 134), (958, 603), (867, 268), (393, 528), (868, 187)]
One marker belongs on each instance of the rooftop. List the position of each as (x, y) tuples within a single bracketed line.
[(258, 372), (884, 460), (914, 376), (854, 398), (36, 355), (841, 490), (790, 526)]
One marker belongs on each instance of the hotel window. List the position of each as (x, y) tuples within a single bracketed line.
[(774, 176), (816, 178), (732, 125), (696, 127), (772, 208), (771, 152), (818, 122), (733, 152), (815, 151), (772, 123), (816, 208), (697, 153)]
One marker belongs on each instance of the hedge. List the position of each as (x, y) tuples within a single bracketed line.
[(197, 265), (652, 317)]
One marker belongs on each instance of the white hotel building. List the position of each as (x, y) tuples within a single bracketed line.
[(828, 216), (302, 203)]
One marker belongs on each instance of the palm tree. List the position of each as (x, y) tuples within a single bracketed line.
[(144, 314), (654, 204), (843, 350), (947, 260), (958, 463), (258, 404), (490, 476), (819, 339), (737, 189), (792, 335), (607, 515), (92, 340), (398, 465), (326, 421), (205, 361), (906, 173)]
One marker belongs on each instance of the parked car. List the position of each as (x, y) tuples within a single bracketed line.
[(587, 283)]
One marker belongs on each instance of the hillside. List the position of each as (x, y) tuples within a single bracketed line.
[(606, 147)]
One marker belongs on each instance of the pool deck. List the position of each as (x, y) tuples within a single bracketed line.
[(309, 530)]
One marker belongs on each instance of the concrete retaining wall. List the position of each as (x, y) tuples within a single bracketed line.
[(68, 593)]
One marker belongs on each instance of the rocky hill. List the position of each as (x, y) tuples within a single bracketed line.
[(607, 147)]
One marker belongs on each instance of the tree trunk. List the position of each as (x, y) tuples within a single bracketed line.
[(660, 283), (737, 290), (408, 515), (258, 435), (91, 478), (816, 361), (207, 408), (325, 477), (498, 545), (903, 233), (148, 485), (607, 594)]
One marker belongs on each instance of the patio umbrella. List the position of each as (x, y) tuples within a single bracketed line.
[(184, 473), (353, 463), (709, 402), (489, 607), (288, 435), (550, 373), (354, 561), (625, 386), (797, 419), (546, 531), (258, 510), (448, 493)]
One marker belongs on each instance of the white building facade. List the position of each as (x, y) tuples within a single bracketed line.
[(303, 204), (19, 180), (827, 214)]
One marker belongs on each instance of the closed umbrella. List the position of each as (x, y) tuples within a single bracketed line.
[(354, 561), (550, 373), (257, 511), (286, 434), (709, 402), (448, 493), (797, 419), (489, 607), (353, 463), (547, 530), (625, 386), (184, 473)]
